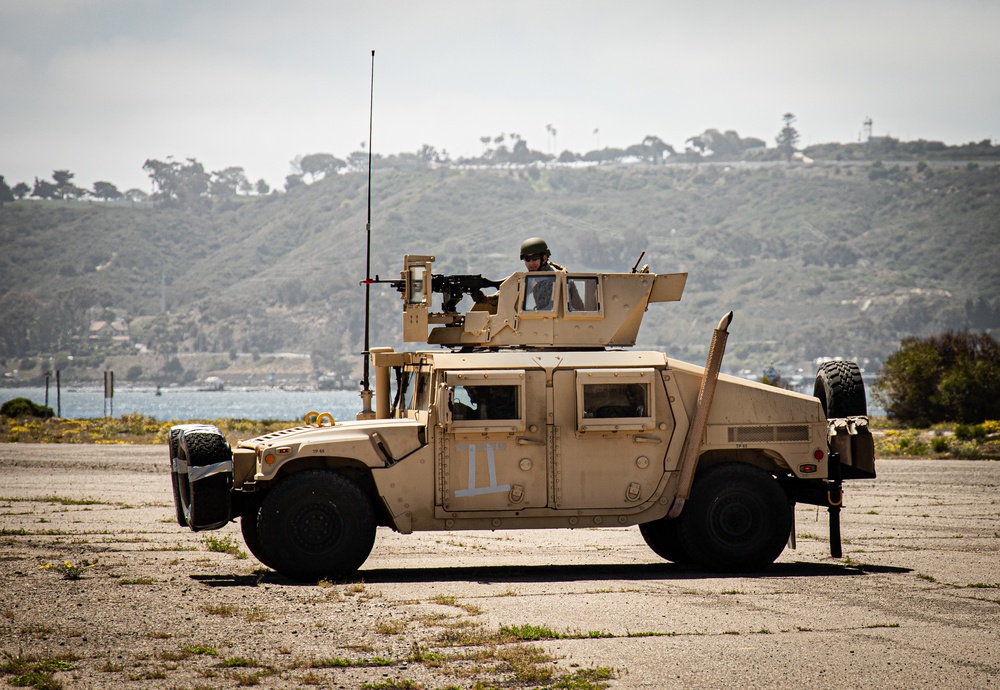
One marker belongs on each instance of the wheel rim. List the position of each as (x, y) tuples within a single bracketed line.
[(317, 528), (735, 519)]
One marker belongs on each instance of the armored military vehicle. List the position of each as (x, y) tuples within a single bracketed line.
[(533, 413)]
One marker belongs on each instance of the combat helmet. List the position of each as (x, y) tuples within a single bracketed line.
[(534, 245)]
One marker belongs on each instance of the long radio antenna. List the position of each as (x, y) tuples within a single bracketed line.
[(366, 392)]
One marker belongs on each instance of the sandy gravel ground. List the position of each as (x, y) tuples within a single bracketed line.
[(915, 602)]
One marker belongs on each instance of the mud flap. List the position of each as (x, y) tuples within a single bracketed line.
[(834, 501), (851, 439)]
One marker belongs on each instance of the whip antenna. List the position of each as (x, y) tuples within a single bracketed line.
[(366, 392)]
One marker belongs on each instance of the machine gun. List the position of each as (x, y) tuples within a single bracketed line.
[(451, 287)]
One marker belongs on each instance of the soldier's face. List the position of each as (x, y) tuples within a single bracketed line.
[(533, 261)]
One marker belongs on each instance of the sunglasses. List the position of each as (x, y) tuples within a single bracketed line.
[(533, 257)]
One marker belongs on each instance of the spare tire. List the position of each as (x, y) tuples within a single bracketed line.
[(841, 390), (180, 502), (209, 477)]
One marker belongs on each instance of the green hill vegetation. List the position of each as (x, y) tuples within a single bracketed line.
[(840, 258)]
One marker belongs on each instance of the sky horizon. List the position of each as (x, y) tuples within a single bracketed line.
[(99, 86)]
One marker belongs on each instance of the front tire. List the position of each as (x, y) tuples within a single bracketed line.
[(737, 519), (663, 537), (250, 528), (316, 524)]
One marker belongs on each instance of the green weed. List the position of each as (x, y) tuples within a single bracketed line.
[(226, 544)]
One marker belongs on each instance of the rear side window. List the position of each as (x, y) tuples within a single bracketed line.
[(582, 294), (615, 399)]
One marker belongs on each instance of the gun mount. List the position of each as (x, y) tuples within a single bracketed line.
[(452, 288), (539, 310)]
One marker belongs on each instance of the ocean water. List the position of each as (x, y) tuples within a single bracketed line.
[(184, 404)]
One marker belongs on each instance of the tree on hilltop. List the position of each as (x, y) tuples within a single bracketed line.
[(788, 137), (318, 165), (135, 194), (229, 182), (6, 194), (44, 189), (176, 182), (651, 150), (65, 189), (428, 155), (106, 191)]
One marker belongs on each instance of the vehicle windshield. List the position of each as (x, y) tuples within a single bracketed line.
[(416, 389)]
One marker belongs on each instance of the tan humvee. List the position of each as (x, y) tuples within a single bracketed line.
[(534, 415)]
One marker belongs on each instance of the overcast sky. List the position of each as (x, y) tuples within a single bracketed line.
[(99, 86)]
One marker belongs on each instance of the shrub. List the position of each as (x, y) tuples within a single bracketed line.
[(950, 377), (968, 432), (22, 407)]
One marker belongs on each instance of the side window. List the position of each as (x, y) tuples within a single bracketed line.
[(483, 400), (604, 400), (615, 399), (538, 292), (582, 294), (485, 403)]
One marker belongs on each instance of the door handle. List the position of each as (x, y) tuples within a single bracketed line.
[(523, 441)]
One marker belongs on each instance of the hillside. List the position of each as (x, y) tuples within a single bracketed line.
[(825, 260)]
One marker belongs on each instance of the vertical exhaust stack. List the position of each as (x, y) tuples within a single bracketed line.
[(697, 431)]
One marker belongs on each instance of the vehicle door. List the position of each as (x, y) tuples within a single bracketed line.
[(492, 451), (612, 430)]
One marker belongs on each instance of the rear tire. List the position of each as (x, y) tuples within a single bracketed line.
[(316, 524), (841, 390), (737, 519), (663, 537)]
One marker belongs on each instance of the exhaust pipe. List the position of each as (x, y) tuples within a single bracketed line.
[(697, 431)]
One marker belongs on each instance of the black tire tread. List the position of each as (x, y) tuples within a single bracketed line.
[(841, 389), (250, 529), (751, 490), (209, 504), (334, 493), (663, 537), (173, 444)]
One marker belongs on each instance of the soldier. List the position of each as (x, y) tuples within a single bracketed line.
[(535, 253)]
